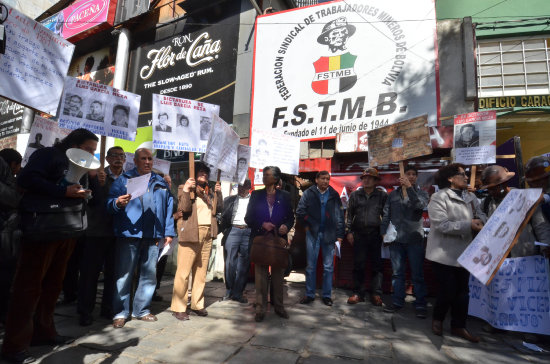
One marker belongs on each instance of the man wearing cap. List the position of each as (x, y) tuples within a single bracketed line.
[(364, 216), (537, 175), (495, 179), (406, 214)]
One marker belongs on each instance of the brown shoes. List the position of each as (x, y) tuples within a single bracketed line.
[(202, 312), (149, 318), (437, 327), (182, 316), (355, 299), (376, 300), (463, 333), (119, 323)]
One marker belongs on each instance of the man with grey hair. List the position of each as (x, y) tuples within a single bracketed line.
[(141, 225)]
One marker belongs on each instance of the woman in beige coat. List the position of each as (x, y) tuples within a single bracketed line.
[(196, 229), (455, 215)]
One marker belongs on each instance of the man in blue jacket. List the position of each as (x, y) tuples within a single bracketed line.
[(141, 225), (320, 211)]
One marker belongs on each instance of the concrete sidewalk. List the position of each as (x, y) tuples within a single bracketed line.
[(314, 334)]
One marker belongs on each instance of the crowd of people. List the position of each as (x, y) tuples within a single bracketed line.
[(43, 218)]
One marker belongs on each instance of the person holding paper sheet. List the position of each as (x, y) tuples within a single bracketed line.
[(364, 216), (405, 213), (455, 214), (196, 229), (321, 213), (141, 226)]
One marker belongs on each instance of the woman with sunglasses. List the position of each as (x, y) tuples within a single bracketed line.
[(455, 216)]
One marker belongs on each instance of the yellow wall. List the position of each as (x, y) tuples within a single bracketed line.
[(535, 136)]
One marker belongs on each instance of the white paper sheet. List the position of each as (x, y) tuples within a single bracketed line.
[(137, 186), (337, 250), (167, 249)]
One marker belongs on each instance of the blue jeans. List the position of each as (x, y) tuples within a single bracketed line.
[(313, 244), (398, 254), (237, 262), (129, 254)]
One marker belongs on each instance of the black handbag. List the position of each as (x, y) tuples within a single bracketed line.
[(45, 218)]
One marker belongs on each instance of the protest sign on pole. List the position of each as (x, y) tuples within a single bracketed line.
[(475, 137), (397, 142), (517, 299), (35, 63), (102, 109), (483, 256), (272, 148), (44, 133), (221, 151), (345, 66), (181, 124)]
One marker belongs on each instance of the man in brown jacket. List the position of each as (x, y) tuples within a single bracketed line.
[(196, 229)]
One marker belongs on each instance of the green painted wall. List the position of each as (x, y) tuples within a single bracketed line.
[(489, 11)]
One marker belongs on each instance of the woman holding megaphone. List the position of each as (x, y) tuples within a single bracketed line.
[(52, 216)]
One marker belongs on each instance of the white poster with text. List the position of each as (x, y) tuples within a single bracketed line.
[(221, 151), (181, 124), (518, 298), (484, 254), (44, 133), (475, 138), (35, 63), (102, 109), (271, 148)]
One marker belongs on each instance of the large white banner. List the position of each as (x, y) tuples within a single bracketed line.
[(271, 148), (221, 151), (484, 254), (518, 298), (101, 109), (346, 66), (44, 133), (34, 66), (158, 164), (181, 124), (475, 137)]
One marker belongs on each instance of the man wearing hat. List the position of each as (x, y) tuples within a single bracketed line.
[(495, 179), (537, 175), (363, 219)]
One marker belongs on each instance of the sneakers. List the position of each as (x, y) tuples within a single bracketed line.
[(392, 308)]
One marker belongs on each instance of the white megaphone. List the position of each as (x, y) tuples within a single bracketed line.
[(80, 163)]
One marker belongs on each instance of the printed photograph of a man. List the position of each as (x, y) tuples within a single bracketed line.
[(163, 123), (96, 111), (120, 116), (73, 105), (37, 144), (467, 137)]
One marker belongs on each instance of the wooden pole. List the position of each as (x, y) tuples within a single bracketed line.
[(192, 170), (473, 177), (102, 152), (215, 194), (402, 174)]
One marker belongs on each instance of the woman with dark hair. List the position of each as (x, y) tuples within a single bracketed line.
[(269, 210), (43, 261), (196, 229), (455, 215)]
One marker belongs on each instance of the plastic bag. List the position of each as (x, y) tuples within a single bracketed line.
[(391, 234)]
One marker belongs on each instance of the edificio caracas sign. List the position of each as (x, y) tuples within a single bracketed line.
[(504, 102), (344, 66)]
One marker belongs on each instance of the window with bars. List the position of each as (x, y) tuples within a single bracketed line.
[(513, 67)]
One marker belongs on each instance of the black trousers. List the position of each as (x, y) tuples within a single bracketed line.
[(453, 293), (98, 253), (367, 244)]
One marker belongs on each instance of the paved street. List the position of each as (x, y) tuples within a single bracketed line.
[(315, 334)]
